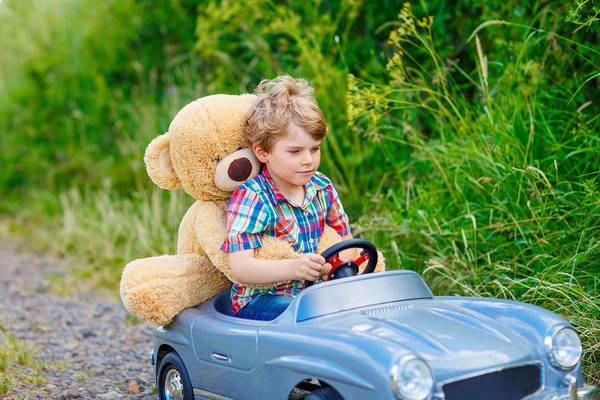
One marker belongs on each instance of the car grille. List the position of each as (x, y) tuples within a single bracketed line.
[(507, 384)]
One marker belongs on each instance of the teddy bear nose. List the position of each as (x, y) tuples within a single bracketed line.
[(239, 170)]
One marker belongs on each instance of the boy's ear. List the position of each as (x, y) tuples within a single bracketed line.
[(159, 164), (260, 154)]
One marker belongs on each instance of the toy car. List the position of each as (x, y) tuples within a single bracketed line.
[(371, 336)]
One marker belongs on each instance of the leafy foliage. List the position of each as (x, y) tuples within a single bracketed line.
[(490, 192)]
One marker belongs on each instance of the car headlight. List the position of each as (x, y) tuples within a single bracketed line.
[(563, 347), (411, 378)]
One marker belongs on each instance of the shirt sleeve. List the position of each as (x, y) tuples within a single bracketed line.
[(246, 220), (336, 216)]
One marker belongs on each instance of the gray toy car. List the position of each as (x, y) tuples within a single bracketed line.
[(371, 336)]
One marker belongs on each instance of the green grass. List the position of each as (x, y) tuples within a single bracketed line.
[(17, 363)]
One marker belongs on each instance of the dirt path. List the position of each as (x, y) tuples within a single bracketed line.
[(89, 349)]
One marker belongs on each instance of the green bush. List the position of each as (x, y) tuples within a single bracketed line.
[(74, 76)]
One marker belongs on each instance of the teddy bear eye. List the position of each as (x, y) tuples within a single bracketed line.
[(240, 147), (217, 159)]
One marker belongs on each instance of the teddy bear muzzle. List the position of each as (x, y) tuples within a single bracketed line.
[(235, 169), (239, 170)]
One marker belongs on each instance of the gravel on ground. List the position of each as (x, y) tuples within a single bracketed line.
[(89, 346)]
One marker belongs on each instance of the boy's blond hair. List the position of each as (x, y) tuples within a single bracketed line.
[(280, 101)]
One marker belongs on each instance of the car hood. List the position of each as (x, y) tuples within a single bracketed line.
[(441, 333)]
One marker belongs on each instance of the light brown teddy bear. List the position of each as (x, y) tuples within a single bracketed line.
[(204, 152)]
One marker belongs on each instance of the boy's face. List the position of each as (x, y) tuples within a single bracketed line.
[(292, 160)]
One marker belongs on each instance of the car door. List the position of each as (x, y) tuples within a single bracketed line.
[(226, 342)]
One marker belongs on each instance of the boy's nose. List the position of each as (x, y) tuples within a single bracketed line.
[(308, 159)]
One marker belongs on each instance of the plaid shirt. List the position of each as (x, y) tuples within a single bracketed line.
[(258, 208)]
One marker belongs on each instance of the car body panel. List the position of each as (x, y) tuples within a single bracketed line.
[(348, 333), (323, 368)]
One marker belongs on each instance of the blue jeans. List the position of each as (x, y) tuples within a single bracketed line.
[(266, 307)]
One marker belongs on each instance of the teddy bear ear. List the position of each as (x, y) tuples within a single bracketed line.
[(159, 165)]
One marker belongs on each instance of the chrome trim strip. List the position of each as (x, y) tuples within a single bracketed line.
[(385, 308), (209, 395), (220, 357)]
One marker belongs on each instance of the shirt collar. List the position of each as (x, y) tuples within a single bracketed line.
[(311, 187), (278, 195)]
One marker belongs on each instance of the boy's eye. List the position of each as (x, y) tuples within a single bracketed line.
[(315, 149), (294, 151)]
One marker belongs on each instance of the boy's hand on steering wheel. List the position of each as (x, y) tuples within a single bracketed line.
[(309, 267)]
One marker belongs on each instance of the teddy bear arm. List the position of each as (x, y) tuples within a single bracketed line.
[(187, 242), (156, 289), (211, 231)]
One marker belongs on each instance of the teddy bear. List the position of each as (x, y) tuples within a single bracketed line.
[(205, 153)]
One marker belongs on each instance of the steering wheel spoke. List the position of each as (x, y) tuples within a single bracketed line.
[(335, 261), (364, 256), (342, 269)]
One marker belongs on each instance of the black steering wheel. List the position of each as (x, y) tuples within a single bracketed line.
[(343, 269)]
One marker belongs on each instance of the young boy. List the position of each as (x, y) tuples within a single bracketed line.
[(289, 199)]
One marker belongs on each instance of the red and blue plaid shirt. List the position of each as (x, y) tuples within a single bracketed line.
[(258, 208)]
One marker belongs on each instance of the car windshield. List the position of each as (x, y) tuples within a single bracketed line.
[(360, 291)]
